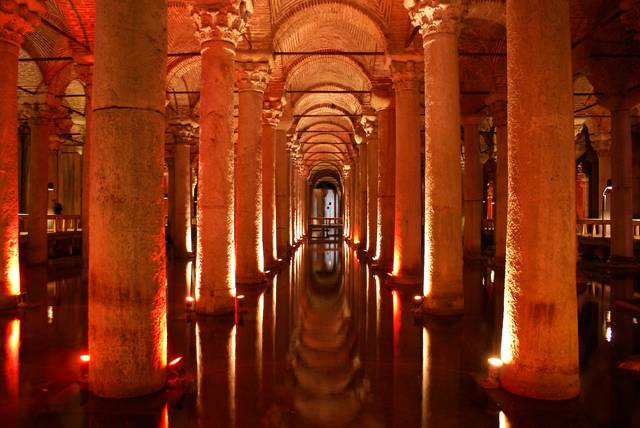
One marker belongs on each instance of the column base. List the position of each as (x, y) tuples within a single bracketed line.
[(217, 305), (443, 306), (541, 385)]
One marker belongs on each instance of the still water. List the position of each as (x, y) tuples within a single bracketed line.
[(325, 344)]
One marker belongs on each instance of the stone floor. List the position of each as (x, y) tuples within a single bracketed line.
[(325, 344)]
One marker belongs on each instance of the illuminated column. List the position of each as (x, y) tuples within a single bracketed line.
[(540, 329), (271, 113), (252, 81), (362, 194), (127, 278), (472, 190), (283, 206), (181, 222), (440, 24), (370, 128), (602, 145), (499, 115), (42, 131), (356, 235), (84, 69), (407, 260), (381, 100), (12, 27), (219, 32), (622, 183)]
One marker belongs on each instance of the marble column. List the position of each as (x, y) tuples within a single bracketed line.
[(271, 114), (440, 25), (370, 127), (355, 206), (127, 278), (540, 328), (602, 145), (407, 259), (42, 131), (219, 32), (622, 183), (23, 19), (382, 102), (499, 114), (472, 190), (252, 80), (283, 211), (185, 135)]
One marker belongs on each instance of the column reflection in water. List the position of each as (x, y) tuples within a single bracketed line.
[(328, 385)]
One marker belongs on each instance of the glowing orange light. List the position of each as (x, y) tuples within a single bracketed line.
[(164, 423), (397, 320), (85, 358), (12, 357), (396, 263), (190, 299), (14, 276), (175, 361), (240, 296), (418, 298), (495, 362)]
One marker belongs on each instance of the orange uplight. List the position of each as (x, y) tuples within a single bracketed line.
[(175, 361), (396, 263), (12, 358), (418, 298), (397, 319), (240, 296), (495, 362), (85, 358), (190, 299)]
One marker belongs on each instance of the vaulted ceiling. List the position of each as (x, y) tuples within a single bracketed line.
[(327, 55)]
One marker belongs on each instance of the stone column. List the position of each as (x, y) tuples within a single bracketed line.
[(370, 128), (472, 190), (271, 114), (13, 25), (540, 329), (185, 135), (407, 260), (252, 81), (127, 278), (283, 207), (42, 131), (499, 114), (602, 145), (622, 182), (440, 24), (219, 31), (382, 101)]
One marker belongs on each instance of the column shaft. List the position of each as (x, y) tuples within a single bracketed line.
[(283, 211), (127, 278), (540, 329), (443, 176), (9, 200), (41, 132), (249, 244), (86, 168), (362, 190), (502, 192), (182, 200), (472, 193), (386, 186), (622, 182), (407, 260), (372, 195)]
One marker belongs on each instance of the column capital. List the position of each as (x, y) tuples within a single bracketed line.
[(216, 22), (272, 112), (406, 75), (83, 66), (184, 133), (18, 17), (381, 97), (497, 104), (252, 76), (437, 16), (472, 119), (601, 143), (368, 123)]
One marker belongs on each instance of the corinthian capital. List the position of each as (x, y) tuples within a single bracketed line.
[(252, 76), (226, 22), (184, 133), (437, 16), (272, 112), (18, 17), (406, 75)]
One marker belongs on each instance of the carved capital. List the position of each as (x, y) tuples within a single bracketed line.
[(368, 123), (272, 112), (184, 133), (221, 23), (18, 17), (437, 16), (601, 143), (252, 76), (406, 75)]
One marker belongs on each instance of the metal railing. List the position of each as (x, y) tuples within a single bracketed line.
[(55, 223), (326, 221), (599, 228)]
